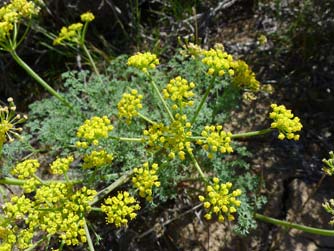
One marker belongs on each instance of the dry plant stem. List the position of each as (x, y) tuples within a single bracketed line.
[(89, 239), (120, 181), (169, 221), (161, 98), (313, 192), (203, 99), (39, 80), (287, 224)]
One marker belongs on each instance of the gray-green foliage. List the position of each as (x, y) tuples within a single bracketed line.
[(54, 127)]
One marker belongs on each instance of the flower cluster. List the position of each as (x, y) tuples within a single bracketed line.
[(285, 122), (87, 17), (143, 61), (220, 201), (67, 222), (92, 130), (74, 33), (97, 159), (26, 168), (218, 61), (144, 179), (329, 164), (173, 137), (129, 105), (31, 185), (329, 207), (8, 121), (119, 208), (70, 34), (12, 13), (61, 165), (191, 49), (244, 77), (215, 139), (18, 207), (179, 90)]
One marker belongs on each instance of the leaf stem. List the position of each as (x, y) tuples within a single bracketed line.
[(286, 224)]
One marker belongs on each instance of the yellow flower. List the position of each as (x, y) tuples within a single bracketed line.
[(174, 137), (285, 122), (94, 129), (61, 165), (215, 140), (329, 164), (220, 200), (26, 168), (87, 17), (179, 90), (217, 60), (244, 77), (71, 34), (120, 208), (97, 159), (129, 105), (144, 179), (143, 61), (8, 121)]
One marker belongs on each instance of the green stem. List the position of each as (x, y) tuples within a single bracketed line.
[(198, 168), (120, 181), (146, 118), (90, 59), (161, 99), (127, 139), (251, 134), (17, 182), (39, 80), (96, 209), (286, 224), (89, 239), (39, 179), (203, 99)]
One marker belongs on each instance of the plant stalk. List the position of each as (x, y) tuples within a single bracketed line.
[(91, 60), (251, 134), (203, 99), (89, 239), (120, 181), (161, 99), (39, 80), (198, 168), (286, 224), (146, 118)]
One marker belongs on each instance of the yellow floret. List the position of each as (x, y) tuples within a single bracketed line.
[(219, 200)]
